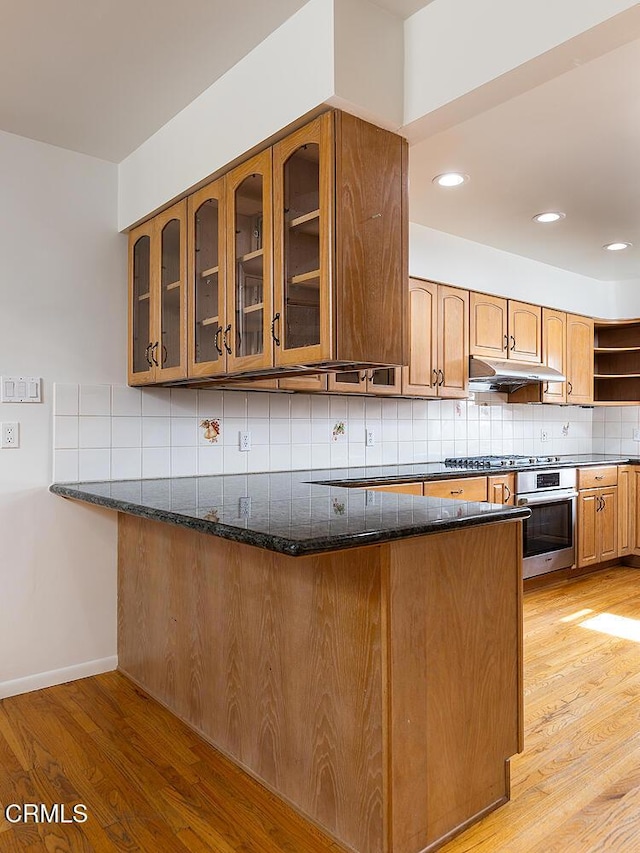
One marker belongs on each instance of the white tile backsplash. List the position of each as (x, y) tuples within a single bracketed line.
[(103, 431)]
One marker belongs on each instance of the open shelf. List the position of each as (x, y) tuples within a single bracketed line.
[(173, 286), (305, 277), (616, 349), (616, 375), (209, 321), (210, 272), (144, 296)]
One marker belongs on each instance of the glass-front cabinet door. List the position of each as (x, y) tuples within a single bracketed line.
[(303, 167), (169, 351), (247, 335), (141, 322), (207, 277)]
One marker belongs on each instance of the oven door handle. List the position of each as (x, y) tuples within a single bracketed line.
[(549, 498)]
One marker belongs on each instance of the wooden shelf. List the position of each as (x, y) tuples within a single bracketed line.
[(305, 277), (616, 349), (208, 321), (308, 223), (173, 286), (251, 309), (258, 253), (210, 272), (144, 296), (616, 375)]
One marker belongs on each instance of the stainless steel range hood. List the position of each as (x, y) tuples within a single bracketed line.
[(488, 374)]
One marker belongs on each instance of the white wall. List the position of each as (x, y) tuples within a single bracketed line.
[(450, 259), (290, 73), (63, 318)]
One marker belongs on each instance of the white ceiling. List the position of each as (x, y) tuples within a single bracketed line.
[(571, 144), (102, 76)]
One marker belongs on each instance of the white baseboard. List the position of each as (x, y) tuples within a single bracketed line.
[(57, 676)]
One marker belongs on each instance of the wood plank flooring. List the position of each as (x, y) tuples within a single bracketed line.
[(152, 785)]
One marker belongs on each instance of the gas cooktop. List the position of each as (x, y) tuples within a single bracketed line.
[(501, 461)]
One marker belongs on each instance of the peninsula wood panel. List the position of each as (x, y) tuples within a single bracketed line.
[(248, 647), (456, 678), (371, 242)]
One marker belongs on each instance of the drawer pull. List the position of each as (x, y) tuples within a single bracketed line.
[(456, 492), (599, 477)]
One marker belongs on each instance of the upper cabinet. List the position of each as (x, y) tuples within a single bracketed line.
[(617, 361), (504, 328), (554, 353), (295, 258), (438, 341), (207, 281), (247, 334), (158, 298), (579, 360)]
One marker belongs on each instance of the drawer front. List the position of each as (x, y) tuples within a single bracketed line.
[(464, 489), (594, 478), (400, 488)]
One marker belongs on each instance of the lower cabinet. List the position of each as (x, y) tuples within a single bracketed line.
[(502, 489), (597, 525), (462, 488), (398, 488), (626, 509)]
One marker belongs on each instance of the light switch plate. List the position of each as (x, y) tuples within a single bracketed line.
[(20, 389)]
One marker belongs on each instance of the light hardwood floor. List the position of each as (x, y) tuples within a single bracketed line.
[(153, 786)]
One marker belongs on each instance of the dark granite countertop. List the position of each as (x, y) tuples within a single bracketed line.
[(307, 512), (287, 512)]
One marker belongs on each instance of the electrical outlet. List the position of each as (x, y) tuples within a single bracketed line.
[(636, 435), (10, 434), (544, 435), (245, 441), (371, 437), (244, 509), (369, 498)]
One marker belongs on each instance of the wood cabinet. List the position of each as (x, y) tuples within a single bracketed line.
[(554, 353), (398, 488), (597, 525), (502, 489), (379, 381), (626, 509), (460, 488), (438, 341), (617, 362), (505, 328), (340, 232), (158, 298), (579, 360)]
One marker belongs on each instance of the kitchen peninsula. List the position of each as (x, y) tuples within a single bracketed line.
[(373, 680)]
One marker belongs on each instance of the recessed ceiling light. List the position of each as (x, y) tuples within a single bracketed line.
[(616, 247), (549, 216), (450, 179)]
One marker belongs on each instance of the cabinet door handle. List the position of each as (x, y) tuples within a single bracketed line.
[(569, 388), (147, 354), (217, 340), (275, 337), (153, 354), (456, 492), (506, 342), (598, 503), (165, 354), (224, 339), (507, 496), (513, 345), (435, 378), (441, 378)]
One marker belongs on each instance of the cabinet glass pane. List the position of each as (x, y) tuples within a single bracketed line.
[(171, 286), (206, 287), (249, 267), (141, 304), (351, 377), (302, 248), (385, 376)]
